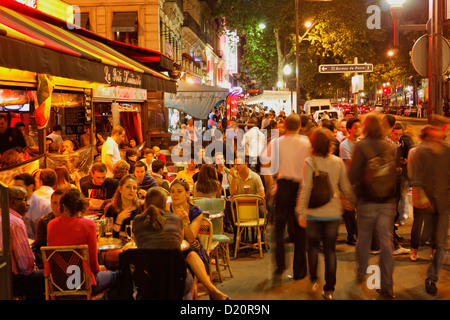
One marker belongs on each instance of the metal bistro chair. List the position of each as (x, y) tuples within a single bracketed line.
[(67, 273), (216, 207), (245, 212)]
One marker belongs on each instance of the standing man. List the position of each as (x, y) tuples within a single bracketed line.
[(9, 137), (56, 134), (110, 149), (353, 127), (290, 152), (254, 142), (428, 166), (374, 212)]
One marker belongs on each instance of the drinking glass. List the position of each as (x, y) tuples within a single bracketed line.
[(109, 228)]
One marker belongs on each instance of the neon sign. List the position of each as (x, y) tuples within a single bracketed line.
[(29, 3)]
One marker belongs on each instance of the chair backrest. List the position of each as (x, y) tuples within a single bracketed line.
[(245, 208), (205, 234), (67, 272), (212, 205), (152, 274)]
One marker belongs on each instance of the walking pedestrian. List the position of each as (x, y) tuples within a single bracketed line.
[(290, 150), (376, 203), (322, 223), (428, 165)]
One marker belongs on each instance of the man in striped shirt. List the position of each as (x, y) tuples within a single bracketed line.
[(27, 280)]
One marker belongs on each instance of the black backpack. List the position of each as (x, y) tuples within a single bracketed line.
[(379, 178)]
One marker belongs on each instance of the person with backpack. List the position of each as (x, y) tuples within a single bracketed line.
[(371, 172)]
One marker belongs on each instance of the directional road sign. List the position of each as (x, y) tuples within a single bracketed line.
[(343, 68)]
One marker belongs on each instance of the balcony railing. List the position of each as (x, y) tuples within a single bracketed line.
[(190, 23)]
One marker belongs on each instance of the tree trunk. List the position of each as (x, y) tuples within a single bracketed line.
[(281, 59)]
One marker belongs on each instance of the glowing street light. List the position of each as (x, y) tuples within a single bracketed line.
[(287, 69), (262, 25), (308, 24)]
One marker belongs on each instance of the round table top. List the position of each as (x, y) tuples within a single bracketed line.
[(132, 245), (105, 244)]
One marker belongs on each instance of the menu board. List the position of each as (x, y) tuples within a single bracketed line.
[(75, 118)]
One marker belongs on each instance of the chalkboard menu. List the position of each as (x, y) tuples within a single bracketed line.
[(75, 118)]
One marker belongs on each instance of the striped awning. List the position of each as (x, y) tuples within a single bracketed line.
[(27, 43)]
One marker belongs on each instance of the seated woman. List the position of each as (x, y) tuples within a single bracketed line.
[(191, 216), (157, 228), (207, 185), (124, 206), (70, 228)]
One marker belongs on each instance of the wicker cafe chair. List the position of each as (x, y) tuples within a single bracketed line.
[(217, 206), (245, 212), (67, 273)]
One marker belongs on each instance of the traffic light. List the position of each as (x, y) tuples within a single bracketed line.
[(385, 90)]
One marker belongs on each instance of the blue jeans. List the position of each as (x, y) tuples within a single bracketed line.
[(105, 280), (327, 231), (439, 243), (381, 217)]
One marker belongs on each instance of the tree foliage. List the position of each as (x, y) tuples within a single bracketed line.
[(340, 34)]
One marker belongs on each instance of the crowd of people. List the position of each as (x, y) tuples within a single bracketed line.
[(46, 206)]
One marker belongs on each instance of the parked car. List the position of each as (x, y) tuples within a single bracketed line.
[(410, 112), (318, 115), (379, 108)]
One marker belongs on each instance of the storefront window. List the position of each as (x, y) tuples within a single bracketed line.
[(125, 27), (157, 116)]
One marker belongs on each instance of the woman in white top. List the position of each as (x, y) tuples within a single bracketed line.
[(322, 223)]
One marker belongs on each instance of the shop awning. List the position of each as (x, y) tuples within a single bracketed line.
[(27, 43), (150, 58), (195, 99), (124, 22)]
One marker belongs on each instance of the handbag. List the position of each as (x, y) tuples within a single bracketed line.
[(321, 192)]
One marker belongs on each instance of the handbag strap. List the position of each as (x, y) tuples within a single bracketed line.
[(316, 171)]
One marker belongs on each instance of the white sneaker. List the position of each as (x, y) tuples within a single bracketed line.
[(401, 250), (414, 257)]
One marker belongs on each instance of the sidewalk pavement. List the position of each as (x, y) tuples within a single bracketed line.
[(254, 279)]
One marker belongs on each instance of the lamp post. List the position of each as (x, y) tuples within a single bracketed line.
[(434, 28)]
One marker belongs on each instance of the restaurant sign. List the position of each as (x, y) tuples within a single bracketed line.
[(122, 77), (119, 93), (29, 3)]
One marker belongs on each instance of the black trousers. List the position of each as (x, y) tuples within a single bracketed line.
[(286, 197)]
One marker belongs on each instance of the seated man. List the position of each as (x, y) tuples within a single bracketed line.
[(159, 155), (244, 180), (97, 185), (188, 173), (145, 180), (157, 174), (27, 281), (41, 228), (37, 206), (47, 179)]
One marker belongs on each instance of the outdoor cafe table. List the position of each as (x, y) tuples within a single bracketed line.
[(132, 245), (105, 244)]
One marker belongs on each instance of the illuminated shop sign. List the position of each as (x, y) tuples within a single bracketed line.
[(228, 42), (29, 3)]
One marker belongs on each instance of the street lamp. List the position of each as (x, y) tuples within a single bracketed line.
[(434, 29), (287, 69), (262, 25)]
